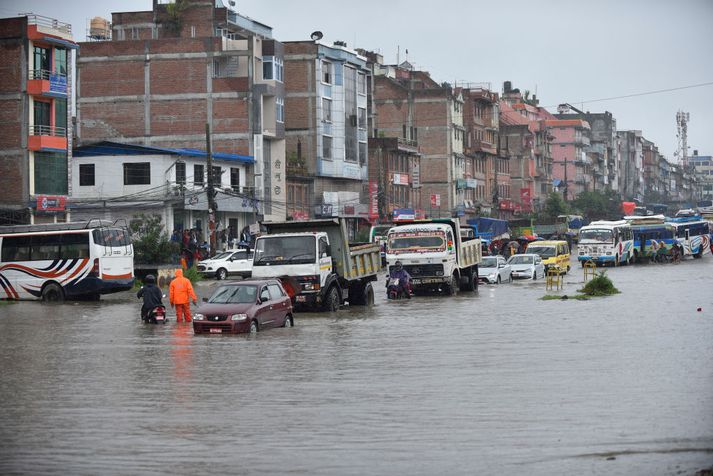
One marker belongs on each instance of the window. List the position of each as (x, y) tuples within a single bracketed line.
[(180, 173), (362, 118), (41, 62), (198, 175), (362, 152), (216, 68), (45, 247), (324, 248), (326, 110), (138, 173), (60, 61), (326, 72), (280, 110), (264, 295), (86, 175), (16, 248), (74, 245), (235, 178), (50, 173), (272, 68), (42, 117), (361, 84), (326, 147), (275, 291), (60, 113)]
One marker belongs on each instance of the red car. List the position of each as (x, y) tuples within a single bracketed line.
[(244, 306)]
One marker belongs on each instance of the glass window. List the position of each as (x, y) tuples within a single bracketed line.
[(234, 295), (267, 70), (50, 173), (86, 175), (362, 152), (113, 237), (75, 245), (198, 175), (326, 72), (326, 147), (60, 61), (264, 294), (137, 173), (361, 84), (42, 117), (283, 250), (275, 291), (15, 248), (362, 119), (217, 176), (327, 110), (45, 247), (180, 173), (280, 110), (235, 178), (41, 62), (60, 115), (324, 248)]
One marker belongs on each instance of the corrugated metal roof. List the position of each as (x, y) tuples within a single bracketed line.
[(116, 148)]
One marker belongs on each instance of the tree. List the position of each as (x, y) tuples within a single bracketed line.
[(151, 242), (555, 206), (597, 205)]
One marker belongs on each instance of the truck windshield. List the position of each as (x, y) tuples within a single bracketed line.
[(285, 250), (596, 235), (420, 241), (543, 251)]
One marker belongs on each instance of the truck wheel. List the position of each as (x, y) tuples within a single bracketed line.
[(451, 289), (368, 295), (472, 283), (331, 301), (52, 292), (356, 295)]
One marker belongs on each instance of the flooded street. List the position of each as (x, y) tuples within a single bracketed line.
[(497, 382)]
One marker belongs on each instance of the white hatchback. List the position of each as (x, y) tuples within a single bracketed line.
[(494, 270), (236, 262), (527, 266)]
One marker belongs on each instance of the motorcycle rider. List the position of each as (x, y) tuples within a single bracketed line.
[(152, 295), (398, 272)]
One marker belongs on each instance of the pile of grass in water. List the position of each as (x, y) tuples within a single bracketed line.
[(600, 285)]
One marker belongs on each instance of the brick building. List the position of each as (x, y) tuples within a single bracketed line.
[(572, 165), (326, 111), (394, 177), (35, 108), (167, 72), (411, 105)]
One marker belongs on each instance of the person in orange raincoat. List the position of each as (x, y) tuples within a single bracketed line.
[(180, 292)]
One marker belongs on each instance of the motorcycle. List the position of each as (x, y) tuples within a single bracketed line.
[(396, 291), (157, 315)]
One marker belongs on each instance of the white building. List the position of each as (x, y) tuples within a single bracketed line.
[(116, 181)]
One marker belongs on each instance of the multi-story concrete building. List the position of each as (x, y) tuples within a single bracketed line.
[(652, 178), (631, 165), (703, 166), (167, 72), (326, 111), (411, 105), (35, 119), (572, 165), (394, 179)]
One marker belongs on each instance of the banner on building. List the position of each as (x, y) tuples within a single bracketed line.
[(435, 200), (51, 203), (525, 197), (373, 200), (404, 214), (399, 179)]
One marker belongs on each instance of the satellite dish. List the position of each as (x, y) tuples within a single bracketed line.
[(316, 35)]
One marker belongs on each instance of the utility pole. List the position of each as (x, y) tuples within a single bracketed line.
[(210, 192), (566, 182)]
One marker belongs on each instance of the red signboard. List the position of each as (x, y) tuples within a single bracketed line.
[(51, 203), (505, 205), (436, 200), (373, 200), (299, 215), (525, 197)]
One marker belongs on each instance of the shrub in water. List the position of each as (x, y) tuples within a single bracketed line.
[(600, 285), (192, 274)]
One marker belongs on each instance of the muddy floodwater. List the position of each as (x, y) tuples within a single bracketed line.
[(496, 382)]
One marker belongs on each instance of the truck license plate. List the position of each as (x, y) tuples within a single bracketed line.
[(214, 330)]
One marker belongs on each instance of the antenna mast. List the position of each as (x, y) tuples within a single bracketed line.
[(682, 119)]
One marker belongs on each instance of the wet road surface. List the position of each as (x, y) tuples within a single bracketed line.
[(497, 382)]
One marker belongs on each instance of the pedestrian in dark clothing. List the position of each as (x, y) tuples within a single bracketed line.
[(151, 294)]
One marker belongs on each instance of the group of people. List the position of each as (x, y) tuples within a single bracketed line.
[(662, 254), (180, 294)]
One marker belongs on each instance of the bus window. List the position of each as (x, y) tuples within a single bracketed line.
[(15, 248), (111, 237), (45, 247), (75, 245)]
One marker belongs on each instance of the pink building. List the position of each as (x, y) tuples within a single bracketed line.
[(572, 169)]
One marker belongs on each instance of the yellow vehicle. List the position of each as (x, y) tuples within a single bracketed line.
[(553, 253)]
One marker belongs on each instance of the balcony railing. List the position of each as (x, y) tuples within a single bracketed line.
[(39, 20), (40, 74), (48, 131)]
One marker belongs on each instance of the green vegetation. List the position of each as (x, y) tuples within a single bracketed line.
[(192, 274), (174, 16), (598, 205), (152, 244), (564, 297), (600, 285), (554, 207)]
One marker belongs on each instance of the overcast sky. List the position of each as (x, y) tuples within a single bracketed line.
[(565, 50)]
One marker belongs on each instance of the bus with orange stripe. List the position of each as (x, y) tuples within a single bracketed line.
[(58, 261)]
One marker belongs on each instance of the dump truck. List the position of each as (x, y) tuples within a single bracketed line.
[(436, 256), (317, 265)]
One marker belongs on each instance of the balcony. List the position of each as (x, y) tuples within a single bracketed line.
[(47, 138), (41, 82), (481, 146)]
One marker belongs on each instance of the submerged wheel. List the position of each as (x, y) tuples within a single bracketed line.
[(499, 280), (368, 295), (52, 292), (471, 283), (451, 289), (289, 321), (331, 301), (221, 274), (253, 327)]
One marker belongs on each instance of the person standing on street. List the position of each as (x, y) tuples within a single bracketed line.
[(180, 292)]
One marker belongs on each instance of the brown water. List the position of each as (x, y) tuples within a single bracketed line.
[(498, 382)]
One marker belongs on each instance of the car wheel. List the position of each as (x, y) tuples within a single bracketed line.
[(253, 327), (331, 302), (52, 292), (534, 275), (289, 322), (498, 281), (221, 274)]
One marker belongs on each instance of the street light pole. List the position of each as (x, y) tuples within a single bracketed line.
[(210, 192), (566, 182)]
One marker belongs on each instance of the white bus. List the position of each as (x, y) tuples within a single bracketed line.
[(53, 262), (692, 233), (606, 242)]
